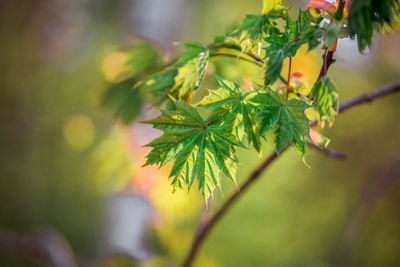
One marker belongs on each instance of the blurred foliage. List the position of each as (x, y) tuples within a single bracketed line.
[(367, 16), (124, 68)]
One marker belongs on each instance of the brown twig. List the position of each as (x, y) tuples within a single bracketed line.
[(328, 151), (328, 60), (205, 229), (370, 96)]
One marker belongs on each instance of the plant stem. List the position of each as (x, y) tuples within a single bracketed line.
[(204, 229), (328, 60), (289, 73), (234, 47), (238, 57), (289, 43), (328, 152)]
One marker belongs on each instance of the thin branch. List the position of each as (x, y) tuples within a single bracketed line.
[(328, 151), (289, 73), (238, 57), (205, 229), (256, 58), (367, 97)]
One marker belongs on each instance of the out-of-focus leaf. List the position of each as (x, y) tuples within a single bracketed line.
[(159, 86), (268, 5), (143, 59), (138, 60), (367, 16), (332, 32), (124, 101)]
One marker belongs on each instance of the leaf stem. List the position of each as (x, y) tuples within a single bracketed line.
[(289, 43), (237, 48), (238, 57), (289, 73), (205, 228), (328, 151)]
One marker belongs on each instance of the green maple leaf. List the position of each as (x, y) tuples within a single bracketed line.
[(325, 99), (286, 44), (309, 31), (274, 67), (304, 30), (191, 66), (285, 117), (235, 108), (190, 75), (252, 29), (201, 150)]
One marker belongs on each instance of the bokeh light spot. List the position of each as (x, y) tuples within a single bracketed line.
[(113, 65), (79, 131)]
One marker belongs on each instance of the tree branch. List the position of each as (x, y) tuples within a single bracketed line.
[(328, 152), (328, 60), (370, 96), (204, 229), (367, 97)]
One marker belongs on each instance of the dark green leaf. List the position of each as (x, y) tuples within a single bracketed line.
[(285, 117), (274, 67)]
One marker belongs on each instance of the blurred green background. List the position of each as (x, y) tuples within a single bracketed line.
[(64, 159)]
